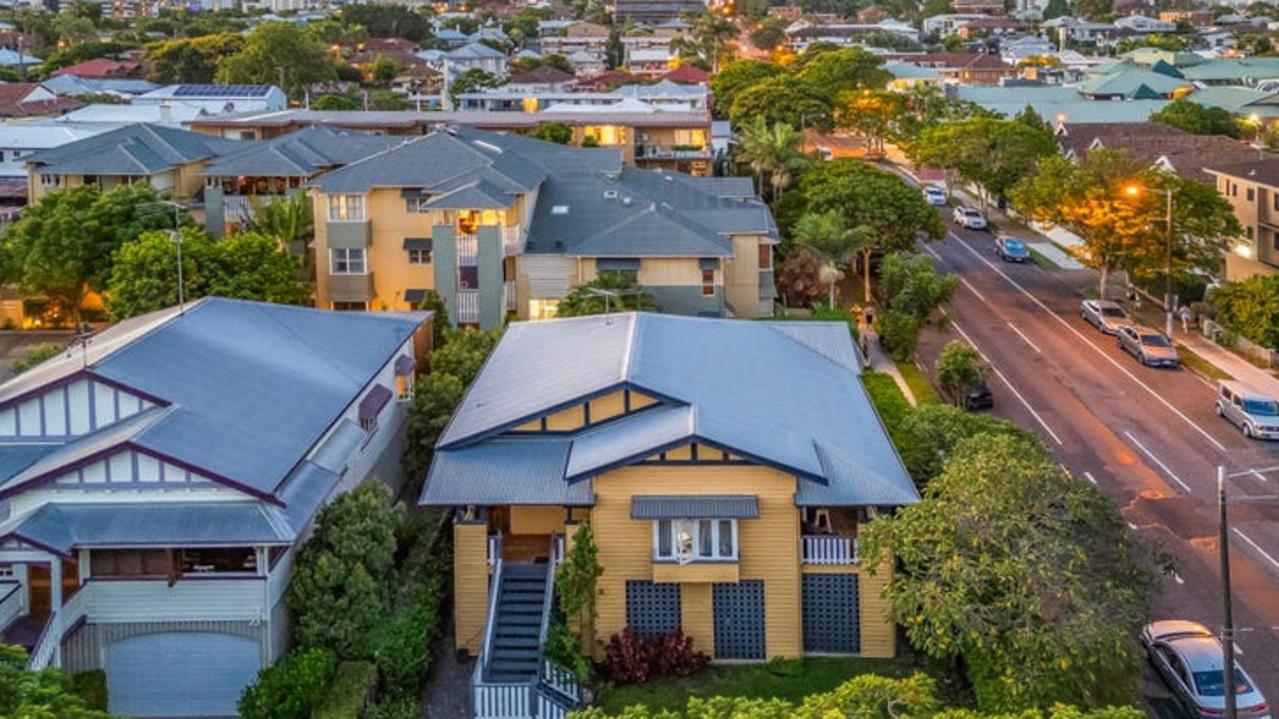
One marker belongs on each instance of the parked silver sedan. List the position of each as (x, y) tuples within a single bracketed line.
[(1151, 348), (1105, 315), (1189, 659)]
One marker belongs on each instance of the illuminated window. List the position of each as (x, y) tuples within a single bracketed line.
[(606, 135), (543, 309), (346, 208)]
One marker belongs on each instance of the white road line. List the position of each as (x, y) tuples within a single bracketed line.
[(1259, 475), (1090, 343), (932, 252), (1001, 376), (1238, 649), (1089, 477), (1132, 526), (1157, 461), (1024, 338), (1177, 578), (969, 285), (1255, 546)]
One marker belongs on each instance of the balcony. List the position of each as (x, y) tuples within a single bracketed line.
[(673, 152), (828, 549), (468, 307), (351, 288)]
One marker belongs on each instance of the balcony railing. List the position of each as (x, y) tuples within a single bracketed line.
[(508, 296), (42, 652), (512, 240), (495, 549), (467, 250), (673, 152), (237, 209), (829, 549), (468, 306)]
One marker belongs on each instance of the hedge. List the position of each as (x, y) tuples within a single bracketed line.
[(352, 688), (92, 688)]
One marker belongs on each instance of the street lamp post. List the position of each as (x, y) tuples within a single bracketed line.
[(1135, 190)]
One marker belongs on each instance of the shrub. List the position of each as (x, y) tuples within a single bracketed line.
[(888, 400), (343, 581), (634, 659), (291, 689), (34, 355), (960, 368), (565, 649), (400, 708), (910, 284), (899, 333), (837, 314), (92, 688), (1250, 308), (353, 684)]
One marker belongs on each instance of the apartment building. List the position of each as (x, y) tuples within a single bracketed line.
[(505, 225), (1252, 189)]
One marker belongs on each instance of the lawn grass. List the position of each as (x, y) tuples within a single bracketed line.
[(1200, 365), (791, 680), (919, 384), (1039, 259), (887, 398)]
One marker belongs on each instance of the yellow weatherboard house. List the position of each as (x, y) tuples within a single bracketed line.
[(725, 467)]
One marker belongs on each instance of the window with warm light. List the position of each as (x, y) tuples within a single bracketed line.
[(698, 540), (543, 309), (346, 208), (606, 135)]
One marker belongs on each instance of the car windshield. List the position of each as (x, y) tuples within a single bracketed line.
[(1212, 683), (1112, 312), (1155, 341), (971, 213), (1014, 245), (1261, 407)]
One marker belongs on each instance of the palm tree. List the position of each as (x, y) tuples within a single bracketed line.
[(774, 150), (827, 233), (288, 218), (610, 291)]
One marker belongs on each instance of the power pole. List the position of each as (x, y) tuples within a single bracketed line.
[(1228, 622)]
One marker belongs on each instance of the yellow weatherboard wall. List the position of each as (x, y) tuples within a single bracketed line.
[(768, 546), (470, 584), (537, 520)]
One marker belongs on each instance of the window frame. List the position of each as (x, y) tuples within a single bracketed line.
[(348, 261), (765, 256), (708, 283), (346, 207), (419, 257), (717, 527)]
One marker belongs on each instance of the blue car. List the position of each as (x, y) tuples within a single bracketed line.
[(1011, 249)]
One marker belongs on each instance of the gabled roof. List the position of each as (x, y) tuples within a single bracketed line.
[(302, 153), (748, 388), (138, 149), (245, 389), (99, 67), (1133, 83), (474, 51), (542, 75)]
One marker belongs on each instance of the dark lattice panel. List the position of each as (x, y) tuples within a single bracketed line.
[(830, 614), (652, 608), (739, 620)]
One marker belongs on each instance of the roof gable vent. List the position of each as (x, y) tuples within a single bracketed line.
[(559, 210), (610, 194)]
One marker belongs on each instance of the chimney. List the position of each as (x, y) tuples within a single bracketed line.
[(166, 112)]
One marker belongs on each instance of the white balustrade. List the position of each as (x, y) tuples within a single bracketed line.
[(502, 701), (829, 549), (42, 653), (468, 306)]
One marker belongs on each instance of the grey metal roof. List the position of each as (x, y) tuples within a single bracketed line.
[(505, 471), (787, 395), (131, 150), (303, 153), (62, 527), (247, 388), (139, 149), (716, 506), (16, 457), (86, 446)]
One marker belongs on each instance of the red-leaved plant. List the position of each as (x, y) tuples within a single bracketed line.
[(634, 659)]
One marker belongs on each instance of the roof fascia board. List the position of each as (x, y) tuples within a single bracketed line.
[(699, 439), (83, 373)]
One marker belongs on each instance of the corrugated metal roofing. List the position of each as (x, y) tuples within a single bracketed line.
[(722, 506), (505, 471), (303, 153), (252, 386), (63, 527), (340, 446), (787, 395), (87, 446), (138, 149)]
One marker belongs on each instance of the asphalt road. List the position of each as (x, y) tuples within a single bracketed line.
[(1149, 438)]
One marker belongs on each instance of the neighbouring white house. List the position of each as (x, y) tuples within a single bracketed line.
[(1143, 24), (218, 99), (157, 481), (19, 139)]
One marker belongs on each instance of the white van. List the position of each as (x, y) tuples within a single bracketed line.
[(1255, 414)]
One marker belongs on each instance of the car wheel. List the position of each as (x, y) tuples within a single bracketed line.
[(1220, 412), (1247, 431)]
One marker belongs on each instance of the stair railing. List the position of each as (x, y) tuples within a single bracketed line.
[(495, 588)]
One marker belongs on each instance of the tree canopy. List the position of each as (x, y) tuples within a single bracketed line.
[(782, 100), (249, 266), (991, 153), (1027, 573), (62, 247), (735, 77), (191, 60), (1198, 119), (46, 693), (586, 298), (382, 20), (472, 80), (279, 53), (845, 69)]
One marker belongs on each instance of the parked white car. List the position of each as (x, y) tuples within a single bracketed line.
[(1189, 659), (969, 218), (934, 195)]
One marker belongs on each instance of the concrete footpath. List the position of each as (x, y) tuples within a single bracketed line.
[(880, 362)]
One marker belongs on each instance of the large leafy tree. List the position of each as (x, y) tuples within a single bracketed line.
[(893, 213), (735, 77), (710, 40), (1250, 308), (1198, 119), (62, 247), (611, 291), (782, 99), (191, 60), (388, 21), (827, 234), (911, 284), (960, 368), (344, 572), (472, 79), (278, 53), (1202, 224), (1027, 573), (870, 114), (249, 266), (836, 71), (992, 154), (928, 435)]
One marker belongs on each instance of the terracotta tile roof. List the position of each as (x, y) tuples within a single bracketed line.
[(542, 75), (687, 75), (11, 102), (101, 68), (1152, 142)]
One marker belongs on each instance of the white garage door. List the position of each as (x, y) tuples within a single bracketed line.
[(193, 674)]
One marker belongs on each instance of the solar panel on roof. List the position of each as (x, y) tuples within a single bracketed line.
[(221, 90)]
